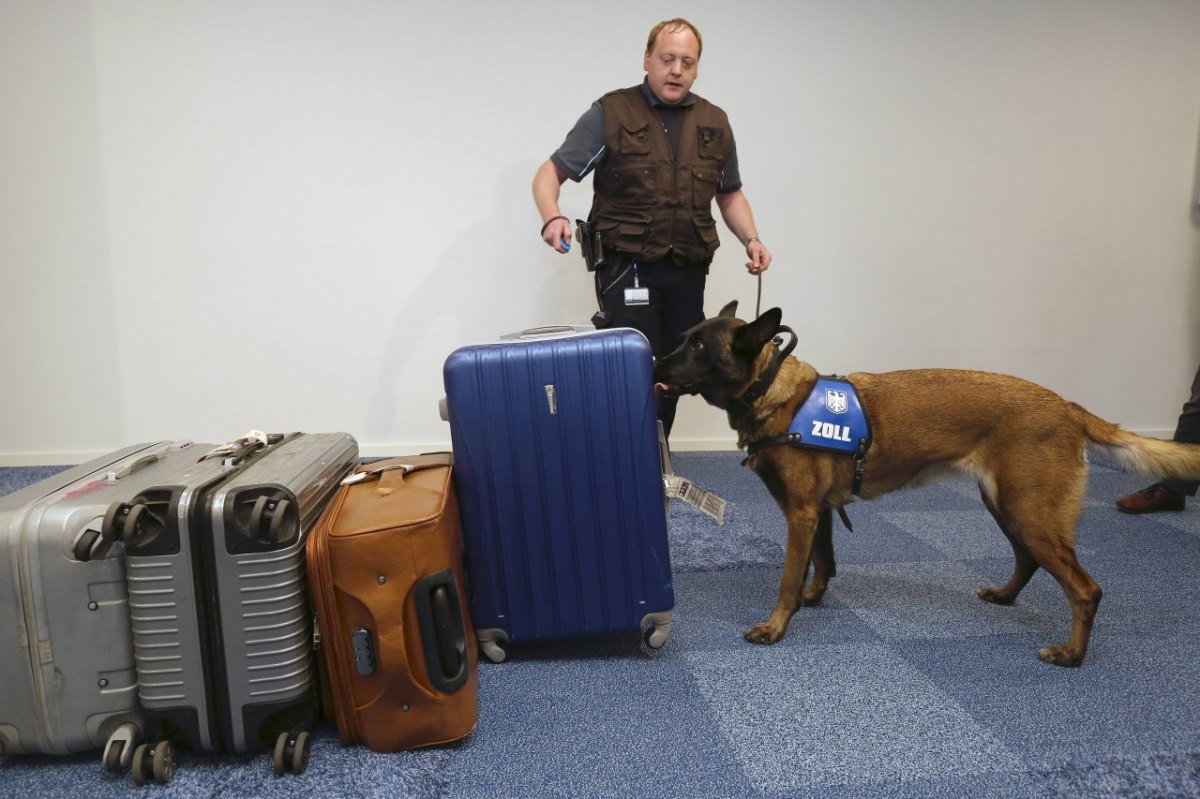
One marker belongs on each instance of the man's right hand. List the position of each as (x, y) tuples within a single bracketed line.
[(558, 235)]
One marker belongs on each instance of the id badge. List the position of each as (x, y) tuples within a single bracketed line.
[(637, 296)]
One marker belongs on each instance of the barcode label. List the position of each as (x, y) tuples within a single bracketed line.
[(707, 502)]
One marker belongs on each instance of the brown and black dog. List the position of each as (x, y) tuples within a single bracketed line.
[(1023, 443)]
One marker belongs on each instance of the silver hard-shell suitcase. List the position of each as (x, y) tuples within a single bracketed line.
[(222, 625), (66, 657)]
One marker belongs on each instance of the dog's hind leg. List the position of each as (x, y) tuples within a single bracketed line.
[(1043, 517), (1023, 568), (1082, 591), (823, 562), (802, 526)]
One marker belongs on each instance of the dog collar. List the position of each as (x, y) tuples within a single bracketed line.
[(744, 403)]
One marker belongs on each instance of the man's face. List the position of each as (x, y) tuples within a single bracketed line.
[(672, 63)]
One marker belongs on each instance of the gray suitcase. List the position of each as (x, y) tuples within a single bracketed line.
[(66, 657), (221, 621)]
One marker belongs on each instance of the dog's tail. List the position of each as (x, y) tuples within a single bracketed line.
[(1134, 453)]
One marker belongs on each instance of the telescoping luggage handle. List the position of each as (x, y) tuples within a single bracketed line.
[(548, 331)]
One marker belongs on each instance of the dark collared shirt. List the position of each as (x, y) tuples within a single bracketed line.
[(583, 149)]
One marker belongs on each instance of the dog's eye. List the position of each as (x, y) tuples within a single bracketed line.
[(696, 345)]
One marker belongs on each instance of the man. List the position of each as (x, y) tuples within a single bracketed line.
[(1170, 494), (661, 155)]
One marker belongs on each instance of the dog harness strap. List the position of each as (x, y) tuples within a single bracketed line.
[(831, 418), (755, 447), (745, 402)]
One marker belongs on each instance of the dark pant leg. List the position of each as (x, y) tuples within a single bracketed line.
[(682, 290), (676, 303), (1187, 430)]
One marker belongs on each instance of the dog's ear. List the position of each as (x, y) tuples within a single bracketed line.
[(729, 310), (749, 339)]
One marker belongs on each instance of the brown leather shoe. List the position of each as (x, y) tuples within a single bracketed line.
[(1151, 500)]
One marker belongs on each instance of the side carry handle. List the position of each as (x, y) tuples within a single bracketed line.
[(444, 459), (144, 461), (443, 631)]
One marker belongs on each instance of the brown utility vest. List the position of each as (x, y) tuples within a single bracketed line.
[(649, 202)]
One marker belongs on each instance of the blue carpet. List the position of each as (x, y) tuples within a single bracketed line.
[(902, 684)]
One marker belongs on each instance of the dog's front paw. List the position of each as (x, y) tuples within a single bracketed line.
[(763, 633), (1060, 656)]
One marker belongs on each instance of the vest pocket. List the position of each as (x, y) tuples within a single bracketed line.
[(704, 186), (711, 143), (635, 141), (635, 184), (706, 229), (627, 233)]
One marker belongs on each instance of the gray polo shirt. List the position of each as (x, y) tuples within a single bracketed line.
[(583, 149)]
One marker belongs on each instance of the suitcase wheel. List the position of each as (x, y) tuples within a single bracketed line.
[(112, 756), (83, 547), (118, 750), (655, 629), (493, 644), (155, 762), (267, 519), (291, 753)]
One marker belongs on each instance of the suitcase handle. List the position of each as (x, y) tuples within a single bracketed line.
[(144, 461), (442, 459), (548, 330), (234, 452), (443, 630)]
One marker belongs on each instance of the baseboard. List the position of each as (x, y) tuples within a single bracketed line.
[(677, 445), (391, 450), (47, 458)]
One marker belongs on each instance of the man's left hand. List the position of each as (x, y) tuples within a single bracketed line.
[(760, 257)]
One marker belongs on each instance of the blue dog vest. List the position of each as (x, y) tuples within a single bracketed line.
[(831, 418)]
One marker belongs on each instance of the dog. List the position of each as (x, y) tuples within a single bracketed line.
[(1023, 444)]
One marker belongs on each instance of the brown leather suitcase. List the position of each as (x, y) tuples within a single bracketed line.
[(399, 653)]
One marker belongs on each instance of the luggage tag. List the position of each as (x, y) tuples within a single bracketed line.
[(637, 295), (705, 501)]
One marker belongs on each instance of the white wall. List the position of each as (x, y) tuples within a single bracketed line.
[(276, 214)]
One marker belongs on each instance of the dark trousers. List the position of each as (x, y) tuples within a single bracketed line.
[(1187, 430), (676, 304)]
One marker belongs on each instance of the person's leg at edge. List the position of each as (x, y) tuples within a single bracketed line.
[(1170, 494)]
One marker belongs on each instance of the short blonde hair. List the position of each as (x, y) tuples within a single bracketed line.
[(672, 26)]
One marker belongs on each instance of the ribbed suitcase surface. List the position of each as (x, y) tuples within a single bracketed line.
[(221, 622), (560, 484)]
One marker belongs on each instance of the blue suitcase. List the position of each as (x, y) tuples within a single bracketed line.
[(560, 486)]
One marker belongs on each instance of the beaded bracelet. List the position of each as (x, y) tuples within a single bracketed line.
[(548, 221), (753, 239)]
